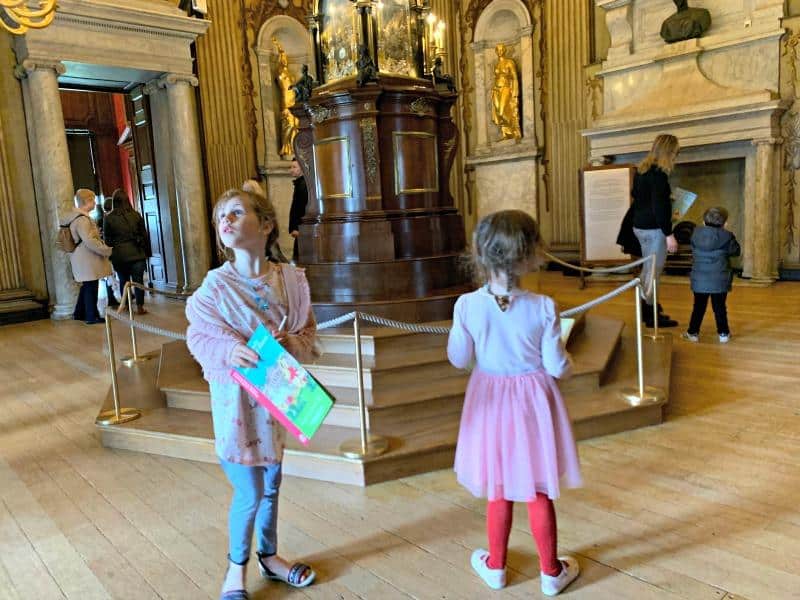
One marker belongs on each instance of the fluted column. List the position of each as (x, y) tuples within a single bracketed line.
[(53, 176), (10, 265), (765, 229), (189, 183)]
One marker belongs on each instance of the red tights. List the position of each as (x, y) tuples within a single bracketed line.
[(542, 520)]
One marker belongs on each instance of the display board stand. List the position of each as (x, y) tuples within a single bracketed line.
[(605, 198)]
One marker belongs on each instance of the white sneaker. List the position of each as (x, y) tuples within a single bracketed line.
[(724, 338), (690, 337), (494, 578), (552, 586)]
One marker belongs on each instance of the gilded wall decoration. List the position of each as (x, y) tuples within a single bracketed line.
[(369, 142), (467, 30), (505, 95), (791, 136), (253, 15), (594, 94), (791, 145)]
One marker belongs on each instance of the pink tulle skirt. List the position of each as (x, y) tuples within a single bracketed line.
[(515, 438)]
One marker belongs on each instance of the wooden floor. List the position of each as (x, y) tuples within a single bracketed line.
[(703, 507)]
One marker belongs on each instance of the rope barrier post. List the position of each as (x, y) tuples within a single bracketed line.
[(132, 360), (640, 395), (368, 445), (118, 415), (655, 335)]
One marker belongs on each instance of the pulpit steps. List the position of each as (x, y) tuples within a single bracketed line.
[(413, 396)]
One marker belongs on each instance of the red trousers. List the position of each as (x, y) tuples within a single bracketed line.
[(542, 520)]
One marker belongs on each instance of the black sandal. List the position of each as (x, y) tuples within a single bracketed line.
[(295, 576)]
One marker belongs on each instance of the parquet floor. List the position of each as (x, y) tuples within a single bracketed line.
[(704, 507)]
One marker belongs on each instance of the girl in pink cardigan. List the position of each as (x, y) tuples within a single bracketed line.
[(223, 313), (515, 442)]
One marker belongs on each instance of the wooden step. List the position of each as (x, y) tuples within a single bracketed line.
[(422, 435), (415, 376)]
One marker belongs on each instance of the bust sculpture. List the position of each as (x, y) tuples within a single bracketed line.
[(505, 95), (686, 24)]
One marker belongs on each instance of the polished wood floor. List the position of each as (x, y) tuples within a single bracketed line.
[(704, 507)]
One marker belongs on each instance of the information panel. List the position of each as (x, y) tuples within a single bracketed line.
[(605, 198)]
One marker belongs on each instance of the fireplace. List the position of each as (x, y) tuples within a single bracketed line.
[(719, 95)]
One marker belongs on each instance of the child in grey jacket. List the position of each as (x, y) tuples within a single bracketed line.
[(712, 247)]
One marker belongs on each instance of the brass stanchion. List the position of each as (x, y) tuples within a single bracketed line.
[(118, 415), (640, 395), (369, 445), (132, 360), (655, 335)]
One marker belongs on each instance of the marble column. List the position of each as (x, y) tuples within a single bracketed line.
[(53, 176), (765, 226), (193, 218)]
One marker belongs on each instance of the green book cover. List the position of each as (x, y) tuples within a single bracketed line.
[(281, 385)]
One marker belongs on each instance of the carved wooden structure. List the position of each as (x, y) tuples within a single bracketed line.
[(381, 233)]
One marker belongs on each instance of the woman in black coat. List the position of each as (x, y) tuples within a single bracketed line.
[(652, 217), (125, 232)]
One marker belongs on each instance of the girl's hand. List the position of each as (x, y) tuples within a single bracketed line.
[(244, 356), (280, 336)]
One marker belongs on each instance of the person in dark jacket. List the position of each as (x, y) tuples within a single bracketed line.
[(125, 232), (712, 247), (299, 202), (652, 217), (101, 215)]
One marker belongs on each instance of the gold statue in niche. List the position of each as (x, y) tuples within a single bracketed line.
[(289, 123), (505, 95)]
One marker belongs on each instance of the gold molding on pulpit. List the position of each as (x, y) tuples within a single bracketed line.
[(348, 188), (396, 138), (17, 17)]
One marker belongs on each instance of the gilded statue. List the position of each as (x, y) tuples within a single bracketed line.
[(505, 95), (686, 24), (289, 123)]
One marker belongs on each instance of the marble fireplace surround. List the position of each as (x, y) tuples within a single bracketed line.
[(718, 95)]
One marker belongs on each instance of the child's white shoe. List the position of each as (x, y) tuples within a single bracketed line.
[(724, 338), (690, 337), (494, 578), (552, 586)]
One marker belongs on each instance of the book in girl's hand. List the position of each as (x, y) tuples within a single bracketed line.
[(281, 385)]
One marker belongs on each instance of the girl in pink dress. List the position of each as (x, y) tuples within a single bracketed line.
[(515, 443), (223, 313)]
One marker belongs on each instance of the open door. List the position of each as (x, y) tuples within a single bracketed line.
[(138, 108)]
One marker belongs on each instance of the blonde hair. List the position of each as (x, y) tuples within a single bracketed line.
[(251, 192), (84, 196), (662, 154), (503, 242)]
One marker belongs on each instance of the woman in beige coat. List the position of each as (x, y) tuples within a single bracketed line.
[(89, 259)]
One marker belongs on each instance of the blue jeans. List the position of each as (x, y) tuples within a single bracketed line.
[(254, 504), (653, 241)]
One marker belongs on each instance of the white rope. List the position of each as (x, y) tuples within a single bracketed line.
[(616, 269), (382, 321), (337, 321), (145, 327)]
